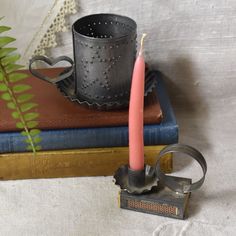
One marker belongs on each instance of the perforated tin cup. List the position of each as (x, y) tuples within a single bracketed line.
[(104, 55)]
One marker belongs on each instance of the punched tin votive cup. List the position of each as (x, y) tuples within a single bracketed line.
[(104, 54)]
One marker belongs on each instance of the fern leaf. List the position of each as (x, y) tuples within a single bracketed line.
[(5, 40), (11, 59), (31, 116), (20, 125), (3, 87), (29, 148), (5, 51), (14, 93), (13, 67), (4, 28), (36, 139), (33, 132), (15, 115), (6, 96), (15, 77), (19, 88), (28, 106), (37, 148), (24, 98), (32, 124), (11, 105), (24, 133)]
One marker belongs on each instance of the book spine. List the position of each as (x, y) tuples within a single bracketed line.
[(87, 138), (76, 162)]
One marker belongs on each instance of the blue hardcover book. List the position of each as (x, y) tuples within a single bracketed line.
[(154, 134)]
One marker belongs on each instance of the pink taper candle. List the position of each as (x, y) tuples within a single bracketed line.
[(136, 145)]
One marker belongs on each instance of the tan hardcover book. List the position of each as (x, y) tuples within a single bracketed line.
[(71, 163)]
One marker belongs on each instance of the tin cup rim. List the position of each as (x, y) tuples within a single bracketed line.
[(134, 27)]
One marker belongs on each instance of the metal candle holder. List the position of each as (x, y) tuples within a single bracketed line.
[(151, 191), (104, 47), (136, 182)]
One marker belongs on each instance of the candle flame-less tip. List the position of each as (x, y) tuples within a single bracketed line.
[(141, 47)]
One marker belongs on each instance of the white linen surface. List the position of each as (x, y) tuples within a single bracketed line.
[(193, 43)]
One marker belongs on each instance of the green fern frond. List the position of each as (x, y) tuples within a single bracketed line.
[(6, 40), (13, 88), (4, 28), (5, 51)]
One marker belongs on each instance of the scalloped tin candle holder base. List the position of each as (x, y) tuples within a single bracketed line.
[(148, 180), (67, 88)]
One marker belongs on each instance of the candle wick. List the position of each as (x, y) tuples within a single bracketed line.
[(141, 47)]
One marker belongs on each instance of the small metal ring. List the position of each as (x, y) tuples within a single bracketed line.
[(169, 181), (65, 74)]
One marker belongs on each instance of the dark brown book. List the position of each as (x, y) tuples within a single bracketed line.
[(57, 112)]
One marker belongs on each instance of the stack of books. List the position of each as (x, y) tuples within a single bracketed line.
[(78, 141)]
